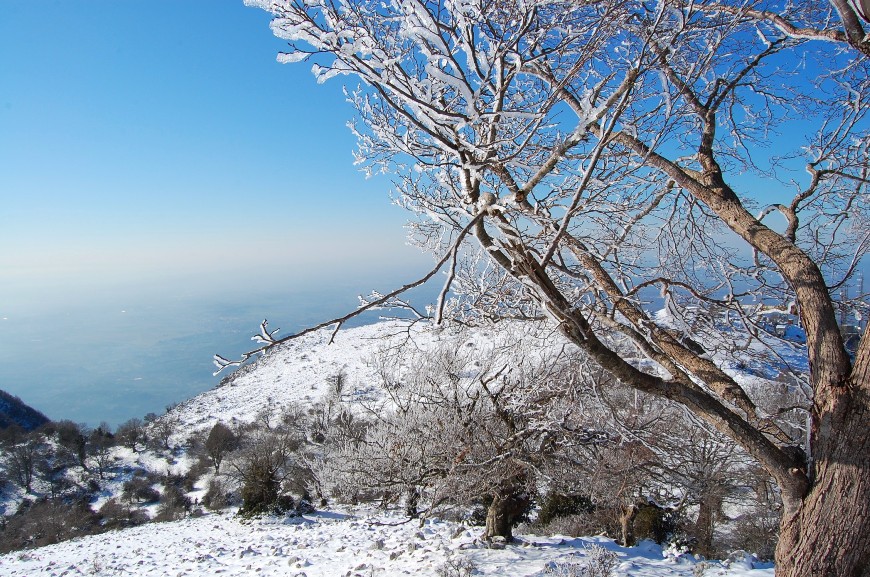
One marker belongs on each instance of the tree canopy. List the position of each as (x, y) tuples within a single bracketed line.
[(596, 163)]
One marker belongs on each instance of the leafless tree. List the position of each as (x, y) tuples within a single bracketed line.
[(22, 460), (601, 152), (220, 441), (161, 429), (99, 448), (461, 422), (132, 434)]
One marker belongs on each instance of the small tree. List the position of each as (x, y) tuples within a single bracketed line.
[(220, 441), (73, 439), (132, 434), (100, 444), (24, 458), (161, 430), (261, 469), (140, 488)]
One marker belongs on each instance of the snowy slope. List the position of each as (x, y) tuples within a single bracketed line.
[(294, 374), (352, 542)]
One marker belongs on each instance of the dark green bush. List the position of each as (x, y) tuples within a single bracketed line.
[(558, 505), (656, 523)]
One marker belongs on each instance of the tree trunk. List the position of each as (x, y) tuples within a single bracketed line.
[(504, 512), (412, 499), (626, 524), (707, 511), (827, 534)]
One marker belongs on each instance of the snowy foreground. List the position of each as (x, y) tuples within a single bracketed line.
[(335, 545)]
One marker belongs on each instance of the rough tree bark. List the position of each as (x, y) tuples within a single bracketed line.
[(502, 515), (825, 533), (708, 508)]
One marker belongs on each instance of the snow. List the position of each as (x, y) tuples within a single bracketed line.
[(333, 544), (294, 374), (353, 541)]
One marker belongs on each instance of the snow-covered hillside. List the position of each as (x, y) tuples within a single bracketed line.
[(355, 541), (295, 374)]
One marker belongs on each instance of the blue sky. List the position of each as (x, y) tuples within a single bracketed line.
[(157, 162), (154, 139)]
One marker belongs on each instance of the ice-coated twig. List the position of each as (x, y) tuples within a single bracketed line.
[(265, 337), (394, 303)]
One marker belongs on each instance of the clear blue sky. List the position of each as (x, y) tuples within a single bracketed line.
[(155, 159), (141, 140)]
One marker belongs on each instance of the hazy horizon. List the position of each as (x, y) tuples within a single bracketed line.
[(166, 184), (132, 354)]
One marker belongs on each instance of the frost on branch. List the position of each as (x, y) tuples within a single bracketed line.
[(607, 157), (265, 337)]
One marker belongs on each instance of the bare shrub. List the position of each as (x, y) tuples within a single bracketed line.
[(46, 522), (174, 504), (140, 488), (456, 567), (217, 496), (598, 562), (117, 515)]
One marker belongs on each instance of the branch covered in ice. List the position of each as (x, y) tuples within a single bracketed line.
[(268, 341)]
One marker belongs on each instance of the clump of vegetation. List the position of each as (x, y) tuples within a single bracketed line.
[(140, 488), (115, 514), (217, 497), (45, 522), (560, 505), (174, 504)]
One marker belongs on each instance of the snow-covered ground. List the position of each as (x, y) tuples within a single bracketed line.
[(296, 373), (353, 542), (335, 545)]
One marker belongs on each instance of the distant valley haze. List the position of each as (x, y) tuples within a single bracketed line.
[(165, 185)]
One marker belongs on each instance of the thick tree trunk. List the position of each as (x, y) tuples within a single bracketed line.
[(828, 533), (504, 512)]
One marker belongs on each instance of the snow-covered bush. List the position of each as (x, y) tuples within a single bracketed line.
[(457, 566), (463, 423)]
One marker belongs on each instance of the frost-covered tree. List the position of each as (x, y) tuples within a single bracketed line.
[(464, 422), (573, 160)]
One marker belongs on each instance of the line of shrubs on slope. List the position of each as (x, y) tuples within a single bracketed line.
[(64, 480)]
